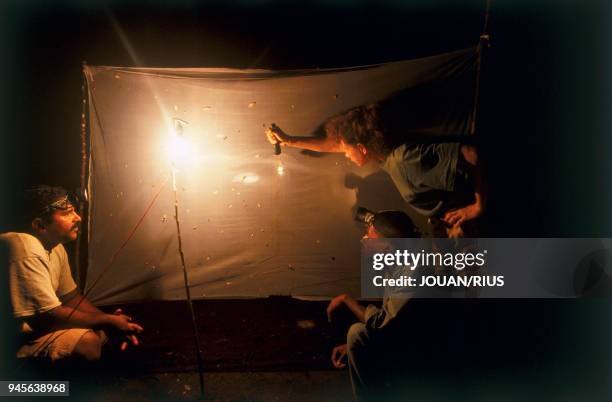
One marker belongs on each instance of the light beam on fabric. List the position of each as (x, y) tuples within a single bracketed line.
[(255, 223)]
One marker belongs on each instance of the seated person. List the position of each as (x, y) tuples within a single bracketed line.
[(439, 180), (364, 336), (53, 320)]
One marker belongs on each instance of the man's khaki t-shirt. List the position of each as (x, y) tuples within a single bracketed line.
[(37, 277)]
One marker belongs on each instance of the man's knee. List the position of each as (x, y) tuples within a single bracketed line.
[(357, 337), (89, 347)]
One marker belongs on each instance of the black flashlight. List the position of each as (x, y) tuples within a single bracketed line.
[(364, 215)]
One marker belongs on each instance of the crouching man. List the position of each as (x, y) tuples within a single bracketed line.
[(53, 319), (369, 340)]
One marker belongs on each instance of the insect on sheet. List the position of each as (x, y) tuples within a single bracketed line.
[(253, 223)]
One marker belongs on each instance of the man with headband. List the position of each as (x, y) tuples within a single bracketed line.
[(53, 319), (364, 338)]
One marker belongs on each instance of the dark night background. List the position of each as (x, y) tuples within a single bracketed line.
[(545, 94)]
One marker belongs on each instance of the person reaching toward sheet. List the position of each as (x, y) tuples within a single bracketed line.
[(440, 180)]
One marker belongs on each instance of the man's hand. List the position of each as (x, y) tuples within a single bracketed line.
[(334, 304), (456, 217), (455, 232), (338, 355), (275, 134), (124, 324)]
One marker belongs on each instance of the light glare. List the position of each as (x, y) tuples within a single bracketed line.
[(178, 148)]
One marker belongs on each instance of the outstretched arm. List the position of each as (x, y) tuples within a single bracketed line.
[(357, 309), (318, 144)]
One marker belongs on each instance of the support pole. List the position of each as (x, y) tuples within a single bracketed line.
[(79, 274), (482, 41), (196, 335)]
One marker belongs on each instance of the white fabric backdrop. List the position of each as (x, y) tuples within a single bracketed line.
[(247, 231)]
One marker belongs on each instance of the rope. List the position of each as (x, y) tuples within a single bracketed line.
[(129, 237), (483, 39)]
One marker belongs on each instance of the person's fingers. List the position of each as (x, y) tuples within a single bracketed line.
[(135, 327), (278, 132), (272, 137), (452, 219), (338, 362), (134, 340), (337, 356), (118, 311), (123, 346), (126, 318)]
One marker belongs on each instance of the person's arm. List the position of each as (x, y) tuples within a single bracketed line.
[(317, 144), (472, 164), (357, 309), (474, 168), (75, 300), (63, 317)]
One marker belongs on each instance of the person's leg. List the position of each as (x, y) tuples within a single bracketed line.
[(89, 347), (357, 340), (61, 344)]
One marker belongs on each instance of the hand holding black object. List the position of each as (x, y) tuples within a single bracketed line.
[(276, 135)]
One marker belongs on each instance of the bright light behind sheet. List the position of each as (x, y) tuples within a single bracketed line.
[(253, 223)]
